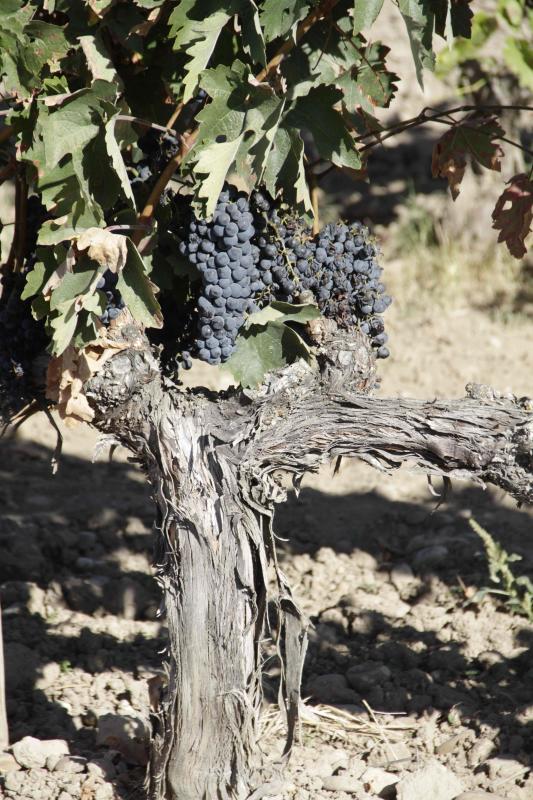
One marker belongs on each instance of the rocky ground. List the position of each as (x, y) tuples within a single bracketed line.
[(416, 687)]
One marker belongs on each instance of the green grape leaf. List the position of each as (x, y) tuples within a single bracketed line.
[(117, 161), (74, 287), (238, 127), (98, 61), (419, 18), (35, 280), (322, 54), (138, 291), (63, 325), (277, 19), (370, 83), (196, 37), (268, 343), (474, 136), (326, 125), (365, 13), (252, 35), (513, 214), (518, 55), (214, 163), (68, 130), (285, 169)]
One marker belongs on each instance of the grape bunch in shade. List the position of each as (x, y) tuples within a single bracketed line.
[(250, 253), (107, 284), (222, 251)]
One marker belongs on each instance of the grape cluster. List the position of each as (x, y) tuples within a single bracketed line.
[(338, 266), (159, 147), (222, 251), (107, 283), (250, 254)]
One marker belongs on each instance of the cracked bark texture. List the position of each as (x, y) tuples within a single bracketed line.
[(213, 461)]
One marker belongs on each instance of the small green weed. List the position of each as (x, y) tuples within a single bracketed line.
[(65, 666), (517, 589)]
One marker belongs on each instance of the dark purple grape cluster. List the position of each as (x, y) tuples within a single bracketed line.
[(108, 284), (222, 251), (250, 254), (339, 266)]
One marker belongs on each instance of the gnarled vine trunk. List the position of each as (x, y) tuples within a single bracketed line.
[(212, 461)]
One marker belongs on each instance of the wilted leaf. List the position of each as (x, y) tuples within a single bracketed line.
[(513, 214), (475, 137), (110, 250)]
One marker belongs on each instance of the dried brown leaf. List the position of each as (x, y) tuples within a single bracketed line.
[(110, 250), (68, 373), (513, 214), (475, 137)]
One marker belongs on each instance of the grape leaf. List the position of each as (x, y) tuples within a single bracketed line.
[(196, 37), (117, 161), (285, 169), (63, 325), (138, 291), (268, 343), (326, 125), (513, 214), (365, 13), (252, 35), (418, 16), (474, 137), (214, 163), (68, 129), (277, 19), (453, 18), (370, 83)]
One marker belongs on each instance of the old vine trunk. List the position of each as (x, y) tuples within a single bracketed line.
[(213, 462)]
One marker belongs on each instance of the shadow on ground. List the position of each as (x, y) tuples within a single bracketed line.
[(83, 539)]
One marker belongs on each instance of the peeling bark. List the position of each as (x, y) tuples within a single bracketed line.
[(212, 460)]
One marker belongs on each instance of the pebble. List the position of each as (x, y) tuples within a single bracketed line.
[(129, 735), (70, 764), (342, 783), (30, 752), (49, 674), (8, 763), (449, 745), (478, 795), (432, 781), (402, 577), (505, 768), (377, 780), (364, 677), (430, 556), (331, 688), (480, 751)]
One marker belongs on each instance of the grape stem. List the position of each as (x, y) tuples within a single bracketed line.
[(319, 13), (443, 117), (146, 124)]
